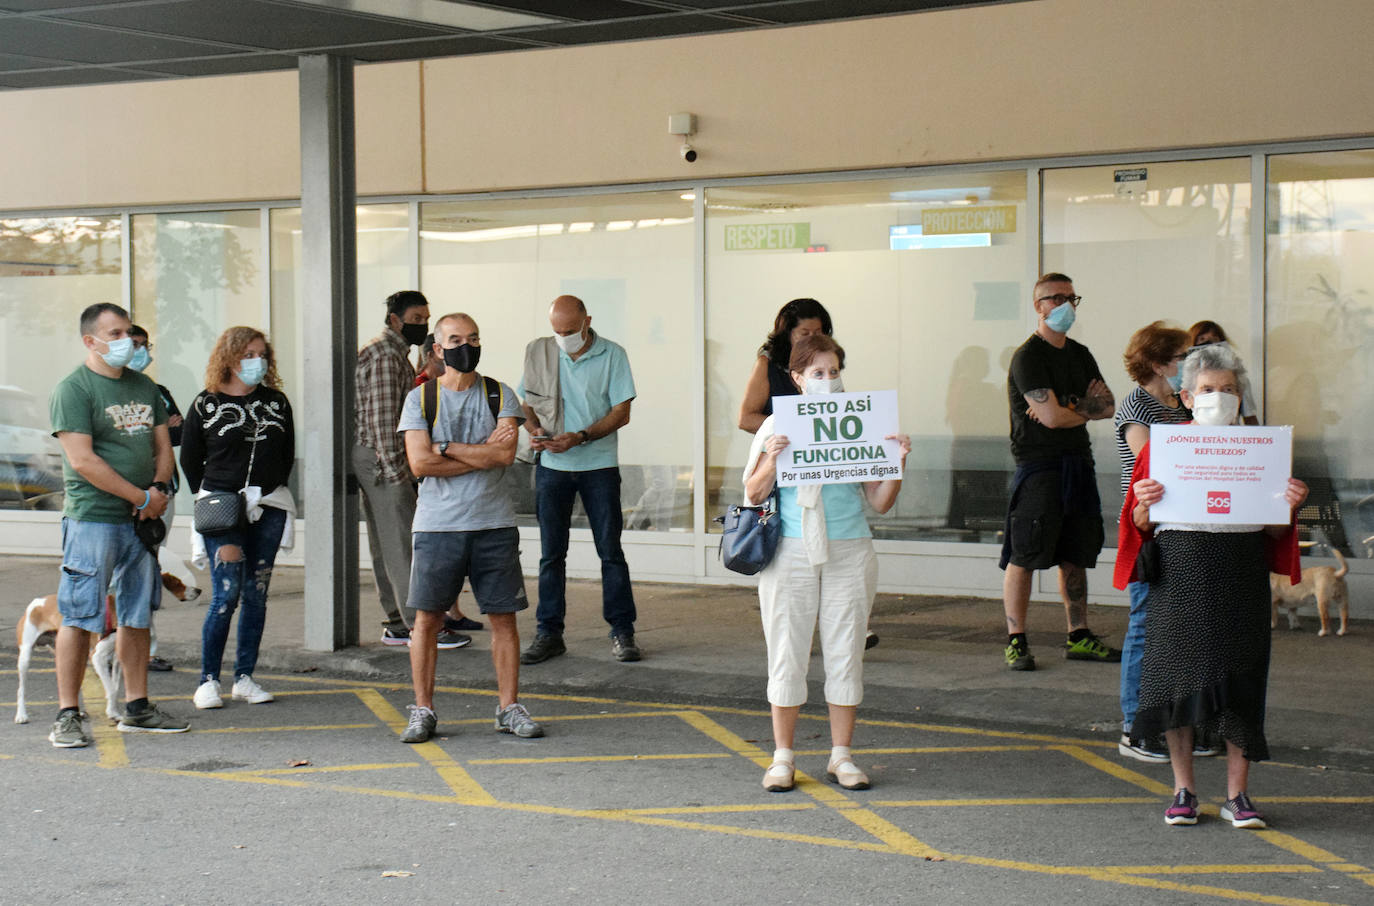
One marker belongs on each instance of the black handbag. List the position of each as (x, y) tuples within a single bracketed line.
[(221, 512), (751, 536)]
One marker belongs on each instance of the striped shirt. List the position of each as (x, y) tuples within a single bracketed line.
[(1140, 408), (384, 377)]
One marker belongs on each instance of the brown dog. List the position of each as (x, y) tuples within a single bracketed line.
[(39, 626), (1324, 583)]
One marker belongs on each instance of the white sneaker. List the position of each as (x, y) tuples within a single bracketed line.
[(245, 690), (207, 695)]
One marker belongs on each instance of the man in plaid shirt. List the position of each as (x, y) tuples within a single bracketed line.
[(384, 377)]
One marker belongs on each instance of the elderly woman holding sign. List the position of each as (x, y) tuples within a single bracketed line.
[(1206, 661), (825, 570)]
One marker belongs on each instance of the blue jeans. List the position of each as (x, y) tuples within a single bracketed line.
[(1132, 653), (554, 493), (258, 543)]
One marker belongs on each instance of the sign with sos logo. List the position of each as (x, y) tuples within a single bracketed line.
[(1228, 475)]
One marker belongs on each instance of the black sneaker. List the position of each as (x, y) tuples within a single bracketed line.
[(1018, 656), (1150, 751), (542, 648), (870, 640), (395, 635), (449, 639), (623, 647), (158, 664), (466, 624)]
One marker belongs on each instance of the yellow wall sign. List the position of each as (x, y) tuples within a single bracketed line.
[(1000, 218)]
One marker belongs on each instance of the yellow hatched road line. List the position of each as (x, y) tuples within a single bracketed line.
[(325, 769), (467, 790), (1118, 771), (576, 759), (997, 803)]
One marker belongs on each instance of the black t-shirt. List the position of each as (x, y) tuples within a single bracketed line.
[(779, 384), (217, 443), (1039, 365)]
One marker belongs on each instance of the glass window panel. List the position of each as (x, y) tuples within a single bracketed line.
[(1163, 241), (924, 279), (195, 275), (1319, 316), (630, 258), (51, 268)]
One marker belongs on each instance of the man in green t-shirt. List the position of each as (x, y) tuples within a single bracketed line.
[(117, 460)]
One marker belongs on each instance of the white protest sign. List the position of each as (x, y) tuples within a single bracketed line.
[(1232, 474), (836, 438)]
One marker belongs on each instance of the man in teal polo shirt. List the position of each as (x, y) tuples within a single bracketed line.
[(577, 389)]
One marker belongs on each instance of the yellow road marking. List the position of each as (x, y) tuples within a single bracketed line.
[(326, 769), (109, 742), (989, 803), (1329, 800), (574, 759), (286, 729), (750, 808), (931, 750), (1242, 869), (560, 718), (1118, 771), (460, 781)]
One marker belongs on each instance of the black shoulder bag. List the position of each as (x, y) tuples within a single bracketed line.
[(221, 512)]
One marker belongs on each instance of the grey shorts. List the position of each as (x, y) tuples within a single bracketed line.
[(489, 559)]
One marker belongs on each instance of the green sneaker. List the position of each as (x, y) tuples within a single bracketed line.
[(151, 721), (1018, 655), (1091, 648), (68, 732)]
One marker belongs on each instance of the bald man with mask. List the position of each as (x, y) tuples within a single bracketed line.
[(577, 389)]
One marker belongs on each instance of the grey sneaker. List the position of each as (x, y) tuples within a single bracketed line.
[(542, 648), (448, 640), (515, 719), (624, 648), (422, 725), (151, 721), (68, 732)]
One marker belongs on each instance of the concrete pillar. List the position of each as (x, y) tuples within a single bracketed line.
[(329, 265)]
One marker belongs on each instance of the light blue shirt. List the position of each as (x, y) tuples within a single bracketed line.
[(599, 380), (844, 512)]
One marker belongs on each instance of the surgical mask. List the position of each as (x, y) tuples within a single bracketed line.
[(141, 359), (121, 351), (415, 334), (1175, 381), (1215, 409), (572, 342), (463, 358), (1061, 318), (252, 371), (824, 385)]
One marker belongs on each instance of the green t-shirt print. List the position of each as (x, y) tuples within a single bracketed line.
[(119, 414)]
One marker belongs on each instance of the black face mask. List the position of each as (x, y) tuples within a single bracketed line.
[(463, 358), (415, 333)]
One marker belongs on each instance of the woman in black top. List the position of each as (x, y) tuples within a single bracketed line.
[(798, 318), (238, 435)]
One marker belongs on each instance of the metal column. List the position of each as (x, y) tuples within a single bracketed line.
[(329, 266)]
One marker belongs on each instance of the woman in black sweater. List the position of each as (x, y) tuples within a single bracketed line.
[(238, 435)]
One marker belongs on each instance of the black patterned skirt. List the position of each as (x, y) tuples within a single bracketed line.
[(1206, 660)]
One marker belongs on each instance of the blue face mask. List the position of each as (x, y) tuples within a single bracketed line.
[(121, 351), (1060, 319), (252, 371), (1175, 381), (141, 359)]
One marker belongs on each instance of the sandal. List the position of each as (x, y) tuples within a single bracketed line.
[(847, 774), (780, 777)]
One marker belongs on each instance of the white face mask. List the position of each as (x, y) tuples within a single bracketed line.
[(1215, 409), (823, 385), (572, 342)]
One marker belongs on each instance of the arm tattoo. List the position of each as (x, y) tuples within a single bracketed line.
[(1093, 406), (1040, 395)]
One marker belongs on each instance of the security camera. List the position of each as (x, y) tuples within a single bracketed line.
[(688, 153)]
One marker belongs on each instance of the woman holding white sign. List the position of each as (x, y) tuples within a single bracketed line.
[(824, 571), (1206, 660)]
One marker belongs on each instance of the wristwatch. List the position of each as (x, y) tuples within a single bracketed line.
[(162, 486), (584, 435), (443, 448)]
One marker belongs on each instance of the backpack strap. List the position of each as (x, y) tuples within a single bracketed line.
[(495, 395), (429, 403)]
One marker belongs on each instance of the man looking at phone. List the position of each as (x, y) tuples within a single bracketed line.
[(577, 389)]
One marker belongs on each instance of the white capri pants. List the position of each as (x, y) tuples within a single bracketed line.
[(794, 596)]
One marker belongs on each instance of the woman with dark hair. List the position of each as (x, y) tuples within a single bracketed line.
[(1152, 359), (1207, 637), (1208, 333), (797, 319), (824, 573), (239, 436)]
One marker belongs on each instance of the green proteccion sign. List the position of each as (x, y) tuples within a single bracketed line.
[(750, 237)]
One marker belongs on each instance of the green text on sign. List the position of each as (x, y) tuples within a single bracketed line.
[(751, 236), (999, 218)]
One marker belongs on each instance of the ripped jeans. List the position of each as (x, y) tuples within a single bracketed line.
[(239, 581)]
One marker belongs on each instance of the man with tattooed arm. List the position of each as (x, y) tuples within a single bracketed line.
[(1054, 388)]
